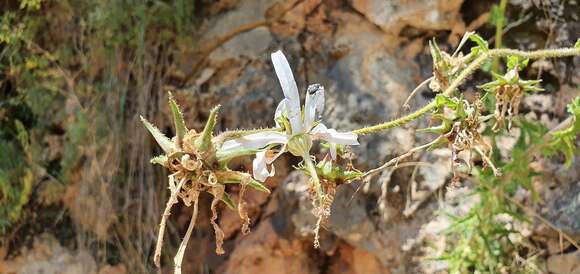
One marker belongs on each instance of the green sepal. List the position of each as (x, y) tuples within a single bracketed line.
[(203, 142), (159, 160), (228, 201), (326, 170), (438, 144), (180, 128), (435, 52), (440, 129), (224, 156), (165, 143), (237, 178)]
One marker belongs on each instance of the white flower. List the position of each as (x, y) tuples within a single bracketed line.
[(302, 129)]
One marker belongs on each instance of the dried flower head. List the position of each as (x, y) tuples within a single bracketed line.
[(194, 167), (509, 89), (460, 127)]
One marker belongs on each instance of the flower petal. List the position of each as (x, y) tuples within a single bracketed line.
[(286, 79), (342, 138), (256, 140), (260, 167), (331, 135), (280, 110), (314, 103)]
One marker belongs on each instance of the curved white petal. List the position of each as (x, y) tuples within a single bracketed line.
[(314, 103), (280, 110), (319, 129), (331, 135), (342, 138), (256, 140), (260, 167), (286, 79)]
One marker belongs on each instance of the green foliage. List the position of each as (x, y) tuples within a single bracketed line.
[(564, 140), (62, 78), (30, 4), (484, 240), (496, 15), (481, 43), (163, 141), (178, 122)]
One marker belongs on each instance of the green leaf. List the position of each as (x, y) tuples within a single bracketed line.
[(564, 140), (165, 143), (258, 186), (22, 136), (228, 201), (203, 142), (443, 100), (481, 43), (253, 183), (495, 15), (577, 45), (513, 61), (224, 156), (180, 128), (435, 51)]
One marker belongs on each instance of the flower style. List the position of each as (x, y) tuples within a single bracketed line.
[(296, 128)]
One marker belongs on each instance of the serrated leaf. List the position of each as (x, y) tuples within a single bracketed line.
[(180, 128), (513, 61), (165, 143), (435, 51), (481, 43), (564, 140), (203, 142)]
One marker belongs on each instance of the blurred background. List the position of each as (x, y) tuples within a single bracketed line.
[(77, 192)]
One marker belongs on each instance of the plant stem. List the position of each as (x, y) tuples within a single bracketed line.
[(312, 170), (470, 69), (232, 134), (499, 33)]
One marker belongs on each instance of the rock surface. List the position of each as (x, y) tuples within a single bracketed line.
[(394, 16), (47, 256)]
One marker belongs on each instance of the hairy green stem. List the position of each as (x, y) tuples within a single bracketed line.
[(312, 170), (233, 134), (499, 32), (470, 69)]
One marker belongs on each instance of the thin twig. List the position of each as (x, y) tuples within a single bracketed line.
[(419, 87), (470, 69), (396, 160), (170, 202), (179, 256)]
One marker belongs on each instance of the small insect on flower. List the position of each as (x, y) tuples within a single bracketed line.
[(296, 129)]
